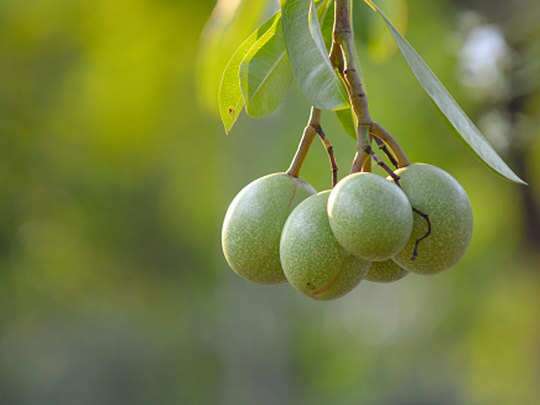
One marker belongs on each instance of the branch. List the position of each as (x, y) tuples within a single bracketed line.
[(344, 38)]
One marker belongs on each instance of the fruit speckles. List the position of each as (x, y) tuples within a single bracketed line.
[(313, 261), (253, 224), (385, 272), (277, 229), (370, 216)]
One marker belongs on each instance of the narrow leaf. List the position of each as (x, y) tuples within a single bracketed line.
[(265, 73), (230, 99), (309, 57), (448, 105)]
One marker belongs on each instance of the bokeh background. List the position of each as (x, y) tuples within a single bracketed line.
[(115, 175)]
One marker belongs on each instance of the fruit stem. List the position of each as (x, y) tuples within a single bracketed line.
[(380, 163), (383, 135), (305, 142), (382, 146), (367, 165), (396, 155), (330, 152), (313, 129)]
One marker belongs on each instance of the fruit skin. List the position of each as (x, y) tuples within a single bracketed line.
[(253, 224), (312, 259), (437, 194), (370, 216), (385, 272)]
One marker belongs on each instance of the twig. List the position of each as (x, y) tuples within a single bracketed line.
[(305, 142), (384, 149), (330, 151), (383, 165), (312, 129), (367, 165), (401, 159)]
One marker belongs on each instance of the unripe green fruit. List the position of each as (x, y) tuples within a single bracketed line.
[(385, 272), (370, 216), (253, 224), (312, 259), (437, 194)]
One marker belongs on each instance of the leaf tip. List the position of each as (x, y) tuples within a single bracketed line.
[(519, 181), (227, 128)]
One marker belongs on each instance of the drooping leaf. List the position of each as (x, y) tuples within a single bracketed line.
[(308, 56), (230, 98), (265, 73), (447, 104), (230, 23)]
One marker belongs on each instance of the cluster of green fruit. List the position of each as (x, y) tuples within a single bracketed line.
[(368, 227)]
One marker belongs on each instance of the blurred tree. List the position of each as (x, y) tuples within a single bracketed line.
[(113, 185)]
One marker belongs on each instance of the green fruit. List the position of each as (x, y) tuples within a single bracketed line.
[(370, 216), (437, 194), (385, 272), (253, 224), (312, 259)]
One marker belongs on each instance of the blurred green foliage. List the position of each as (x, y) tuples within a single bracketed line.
[(114, 183)]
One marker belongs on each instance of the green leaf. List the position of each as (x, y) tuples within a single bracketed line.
[(326, 17), (308, 56), (229, 25), (265, 73), (230, 98), (447, 104), (345, 117)]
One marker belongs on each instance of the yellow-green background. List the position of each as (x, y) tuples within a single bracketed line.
[(114, 179)]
